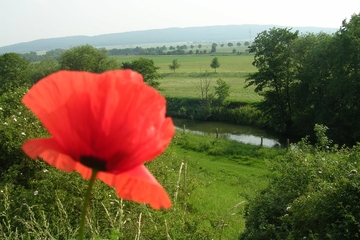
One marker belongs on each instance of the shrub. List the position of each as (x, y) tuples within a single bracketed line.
[(314, 196)]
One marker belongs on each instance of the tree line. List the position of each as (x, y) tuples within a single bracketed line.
[(172, 50), (310, 79)]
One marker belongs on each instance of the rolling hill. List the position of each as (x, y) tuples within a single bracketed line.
[(156, 36)]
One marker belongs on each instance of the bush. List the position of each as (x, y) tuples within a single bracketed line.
[(315, 195)]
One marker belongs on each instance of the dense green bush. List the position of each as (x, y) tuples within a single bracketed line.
[(315, 195)]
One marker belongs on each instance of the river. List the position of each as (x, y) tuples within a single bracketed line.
[(244, 134)]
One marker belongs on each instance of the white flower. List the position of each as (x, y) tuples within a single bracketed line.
[(5, 123), (22, 133), (36, 192), (45, 170), (288, 208), (1, 108), (15, 119)]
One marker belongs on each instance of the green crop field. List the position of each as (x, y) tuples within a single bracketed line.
[(234, 69)]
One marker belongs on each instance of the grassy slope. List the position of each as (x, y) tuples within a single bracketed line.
[(224, 180)]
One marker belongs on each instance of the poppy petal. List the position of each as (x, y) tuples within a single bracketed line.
[(115, 111), (50, 152), (139, 185)]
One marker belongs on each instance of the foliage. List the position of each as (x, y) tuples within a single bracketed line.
[(275, 75), (147, 68), (222, 91), (44, 68), (13, 72), (213, 48), (87, 58), (314, 196), (175, 65), (215, 63)]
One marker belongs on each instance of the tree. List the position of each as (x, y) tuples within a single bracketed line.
[(215, 63), (213, 47), (238, 44), (175, 65), (87, 58), (275, 76), (14, 72), (230, 44), (222, 91), (199, 46), (246, 43), (43, 69), (146, 68)]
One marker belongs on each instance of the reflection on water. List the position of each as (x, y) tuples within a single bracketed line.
[(244, 134)]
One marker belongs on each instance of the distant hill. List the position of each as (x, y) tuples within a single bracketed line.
[(156, 36)]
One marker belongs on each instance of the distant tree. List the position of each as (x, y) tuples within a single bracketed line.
[(230, 44), (213, 47), (234, 50), (238, 44), (191, 52), (172, 48), (215, 63), (56, 53), (43, 68), (246, 43), (87, 58), (205, 51), (222, 45), (146, 68), (191, 46), (197, 51), (31, 56), (199, 46), (175, 65), (222, 91)]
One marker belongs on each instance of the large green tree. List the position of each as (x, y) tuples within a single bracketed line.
[(14, 72), (275, 74), (87, 58), (146, 68)]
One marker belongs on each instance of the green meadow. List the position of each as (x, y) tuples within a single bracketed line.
[(234, 69)]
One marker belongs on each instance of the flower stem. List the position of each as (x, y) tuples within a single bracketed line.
[(86, 203)]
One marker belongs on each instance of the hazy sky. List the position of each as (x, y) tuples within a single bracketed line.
[(27, 20)]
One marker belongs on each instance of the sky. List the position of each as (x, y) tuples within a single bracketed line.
[(28, 20)]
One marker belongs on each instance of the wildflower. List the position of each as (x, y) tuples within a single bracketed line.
[(104, 126), (36, 192), (288, 208), (22, 133)]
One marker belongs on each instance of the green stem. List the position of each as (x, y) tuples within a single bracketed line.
[(86, 203)]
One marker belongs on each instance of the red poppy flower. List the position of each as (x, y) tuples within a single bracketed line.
[(112, 122)]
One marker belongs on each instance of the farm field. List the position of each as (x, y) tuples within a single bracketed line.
[(234, 69)]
